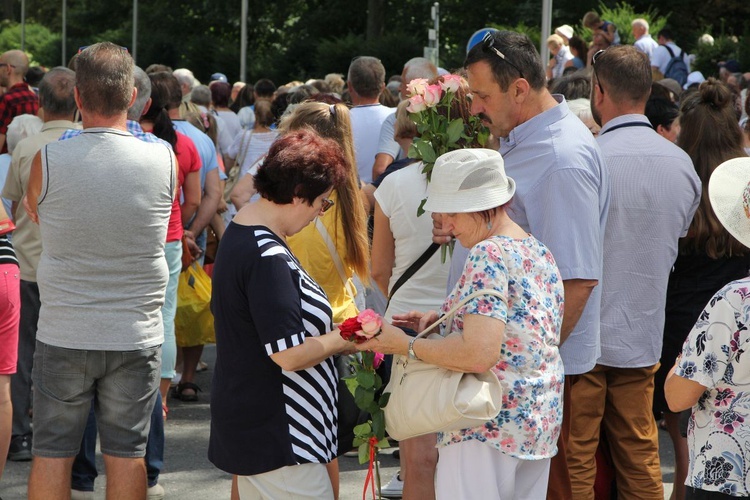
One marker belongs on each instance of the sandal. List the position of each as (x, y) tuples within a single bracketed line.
[(179, 391)]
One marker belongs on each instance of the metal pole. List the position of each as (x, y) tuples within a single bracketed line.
[(135, 31), (436, 23), (23, 25), (243, 42), (64, 30), (546, 30)]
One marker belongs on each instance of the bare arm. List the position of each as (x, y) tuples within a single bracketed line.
[(191, 190), (242, 191), (368, 191), (383, 250), (311, 352), (382, 160), (33, 188), (577, 293), (475, 351), (681, 393), (208, 205), (2, 140)]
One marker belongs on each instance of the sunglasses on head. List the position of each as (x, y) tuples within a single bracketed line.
[(490, 44), (326, 204)]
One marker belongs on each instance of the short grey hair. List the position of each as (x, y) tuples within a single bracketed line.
[(367, 76), (419, 67), (143, 86), (201, 95), (185, 77), (56, 94), (640, 22)]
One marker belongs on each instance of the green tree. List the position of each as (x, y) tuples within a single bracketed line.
[(42, 46)]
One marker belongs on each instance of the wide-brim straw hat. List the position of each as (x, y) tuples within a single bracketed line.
[(729, 193), (468, 180)]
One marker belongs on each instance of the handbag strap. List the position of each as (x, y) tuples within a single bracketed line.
[(416, 266), (461, 303), (244, 145), (337, 263)]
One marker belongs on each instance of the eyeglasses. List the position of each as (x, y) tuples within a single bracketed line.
[(81, 49), (326, 205), (593, 69), (489, 43)]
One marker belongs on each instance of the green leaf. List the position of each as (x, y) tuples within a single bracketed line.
[(378, 424), (373, 408), (383, 401), (363, 397), (358, 441), (426, 152), (364, 453), (378, 382), (383, 444), (455, 129), (420, 208), (366, 379), (351, 384), (363, 429)]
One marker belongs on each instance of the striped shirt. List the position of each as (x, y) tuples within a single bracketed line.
[(264, 303), (7, 254)]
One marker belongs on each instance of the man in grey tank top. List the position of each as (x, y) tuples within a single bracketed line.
[(102, 201)]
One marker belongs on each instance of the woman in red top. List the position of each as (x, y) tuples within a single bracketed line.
[(156, 120)]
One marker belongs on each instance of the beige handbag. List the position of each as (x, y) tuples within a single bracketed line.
[(426, 398)]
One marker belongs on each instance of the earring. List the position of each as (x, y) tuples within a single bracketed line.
[(489, 224)]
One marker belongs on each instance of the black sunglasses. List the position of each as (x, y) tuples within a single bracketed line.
[(84, 47), (593, 69), (489, 43)]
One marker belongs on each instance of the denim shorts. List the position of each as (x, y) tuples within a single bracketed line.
[(124, 384)]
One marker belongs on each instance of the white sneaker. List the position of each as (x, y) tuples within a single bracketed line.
[(81, 495), (155, 492), (394, 488)]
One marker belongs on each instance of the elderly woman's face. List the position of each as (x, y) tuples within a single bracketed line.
[(469, 229), (309, 211)]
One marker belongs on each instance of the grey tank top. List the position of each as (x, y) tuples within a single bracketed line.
[(103, 213)]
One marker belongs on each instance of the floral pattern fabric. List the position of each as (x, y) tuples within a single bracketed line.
[(530, 368), (719, 428)]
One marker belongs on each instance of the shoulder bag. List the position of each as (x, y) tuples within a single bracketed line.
[(234, 173), (426, 398)]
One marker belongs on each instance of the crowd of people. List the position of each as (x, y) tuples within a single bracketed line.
[(604, 203)]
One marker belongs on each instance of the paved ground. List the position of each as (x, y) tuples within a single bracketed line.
[(188, 475)]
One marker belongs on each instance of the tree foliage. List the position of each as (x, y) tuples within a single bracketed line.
[(300, 39)]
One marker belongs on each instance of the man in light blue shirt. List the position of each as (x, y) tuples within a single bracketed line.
[(654, 194), (562, 193)]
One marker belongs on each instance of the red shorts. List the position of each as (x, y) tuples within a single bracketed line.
[(10, 315)]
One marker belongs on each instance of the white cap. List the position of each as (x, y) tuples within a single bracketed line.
[(565, 30), (693, 78), (468, 180), (729, 194)]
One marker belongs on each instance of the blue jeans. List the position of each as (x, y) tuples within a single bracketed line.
[(84, 465)]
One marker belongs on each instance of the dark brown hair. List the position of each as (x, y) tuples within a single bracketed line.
[(710, 134)]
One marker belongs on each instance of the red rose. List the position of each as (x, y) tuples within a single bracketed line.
[(349, 329)]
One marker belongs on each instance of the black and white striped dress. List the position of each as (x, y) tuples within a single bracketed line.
[(263, 417)]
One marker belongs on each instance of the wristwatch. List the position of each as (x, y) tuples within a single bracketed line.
[(412, 354)]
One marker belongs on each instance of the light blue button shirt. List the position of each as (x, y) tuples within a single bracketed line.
[(654, 194)]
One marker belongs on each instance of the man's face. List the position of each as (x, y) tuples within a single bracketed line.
[(5, 71), (638, 31), (497, 109)]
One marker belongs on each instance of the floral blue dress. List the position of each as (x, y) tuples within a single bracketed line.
[(530, 368), (719, 428)]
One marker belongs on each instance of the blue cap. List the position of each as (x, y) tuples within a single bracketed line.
[(477, 37), (219, 77)]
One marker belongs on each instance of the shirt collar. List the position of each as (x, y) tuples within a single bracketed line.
[(540, 121), (64, 124), (134, 127), (624, 119)]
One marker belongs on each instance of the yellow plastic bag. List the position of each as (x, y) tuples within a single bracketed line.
[(194, 323)]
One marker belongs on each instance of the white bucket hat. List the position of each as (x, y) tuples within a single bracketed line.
[(468, 180), (729, 193)]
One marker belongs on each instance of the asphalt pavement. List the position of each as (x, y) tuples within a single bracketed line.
[(188, 475)]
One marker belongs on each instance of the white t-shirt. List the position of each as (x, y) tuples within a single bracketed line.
[(387, 143), (399, 196), (367, 121), (646, 44), (660, 56), (256, 144)]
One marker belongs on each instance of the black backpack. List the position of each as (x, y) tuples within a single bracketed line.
[(676, 67)]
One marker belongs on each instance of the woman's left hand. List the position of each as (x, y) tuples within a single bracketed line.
[(390, 340)]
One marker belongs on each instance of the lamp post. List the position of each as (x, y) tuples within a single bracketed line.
[(64, 31), (243, 42), (135, 31)]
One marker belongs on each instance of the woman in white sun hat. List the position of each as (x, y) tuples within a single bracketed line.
[(517, 338), (712, 374)]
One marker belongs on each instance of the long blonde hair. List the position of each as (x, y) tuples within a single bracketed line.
[(332, 121)]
